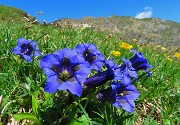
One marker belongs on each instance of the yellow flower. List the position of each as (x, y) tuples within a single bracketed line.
[(163, 48), (126, 46), (177, 54), (135, 40), (170, 59), (116, 53)]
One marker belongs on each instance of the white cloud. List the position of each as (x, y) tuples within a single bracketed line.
[(147, 13)]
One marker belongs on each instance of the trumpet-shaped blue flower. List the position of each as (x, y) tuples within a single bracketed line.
[(99, 79), (112, 73), (139, 62), (128, 72), (114, 69), (26, 49), (91, 54), (120, 96), (127, 69), (65, 70)]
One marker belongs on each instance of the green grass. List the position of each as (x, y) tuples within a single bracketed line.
[(21, 83), (11, 14)]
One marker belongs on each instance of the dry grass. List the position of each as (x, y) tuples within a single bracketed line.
[(149, 109)]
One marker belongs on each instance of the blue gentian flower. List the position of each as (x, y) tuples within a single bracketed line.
[(65, 70), (139, 62), (99, 79), (127, 69), (120, 96), (114, 69), (112, 73), (128, 72), (91, 54), (26, 49)]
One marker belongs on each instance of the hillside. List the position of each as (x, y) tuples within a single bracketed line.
[(67, 54), (11, 14), (146, 30), (155, 30)]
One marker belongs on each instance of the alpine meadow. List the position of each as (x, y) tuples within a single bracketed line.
[(91, 71)]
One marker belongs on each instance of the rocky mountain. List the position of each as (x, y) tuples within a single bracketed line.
[(154, 30), (159, 31)]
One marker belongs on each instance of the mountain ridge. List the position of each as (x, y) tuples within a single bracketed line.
[(155, 30)]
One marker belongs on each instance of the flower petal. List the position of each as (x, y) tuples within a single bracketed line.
[(98, 79), (80, 49), (126, 80), (123, 102), (139, 62), (21, 41), (49, 72), (37, 53), (48, 61), (51, 84), (91, 47), (27, 58), (77, 60), (63, 86), (91, 54), (96, 65), (16, 50), (75, 88), (83, 72), (70, 53), (133, 93)]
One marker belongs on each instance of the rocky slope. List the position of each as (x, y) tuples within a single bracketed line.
[(166, 33), (146, 30)]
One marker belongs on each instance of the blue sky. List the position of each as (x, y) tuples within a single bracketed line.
[(57, 9)]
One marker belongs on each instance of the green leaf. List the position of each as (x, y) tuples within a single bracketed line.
[(83, 119), (77, 123), (47, 98), (167, 122), (121, 119), (35, 102), (27, 116)]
